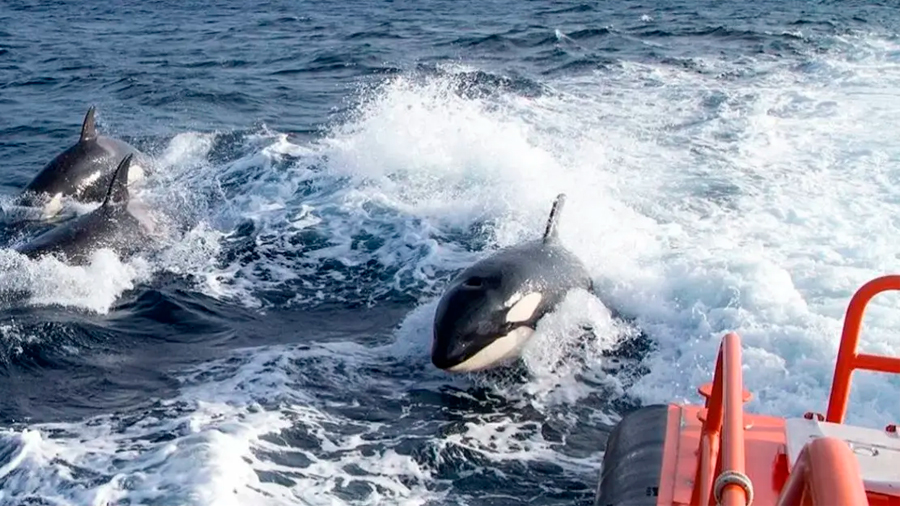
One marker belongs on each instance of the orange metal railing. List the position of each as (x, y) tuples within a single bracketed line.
[(848, 359), (826, 472), (722, 437)]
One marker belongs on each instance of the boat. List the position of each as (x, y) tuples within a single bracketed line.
[(717, 454)]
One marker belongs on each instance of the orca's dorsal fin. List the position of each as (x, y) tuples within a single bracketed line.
[(550, 234), (118, 187), (88, 130)]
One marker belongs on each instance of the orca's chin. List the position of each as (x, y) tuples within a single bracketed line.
[(501, 350)]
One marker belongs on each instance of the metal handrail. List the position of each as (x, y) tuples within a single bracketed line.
[(722, 436), (848, 359), (826, 473)]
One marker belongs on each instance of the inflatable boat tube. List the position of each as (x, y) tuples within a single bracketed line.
[(632, 463)]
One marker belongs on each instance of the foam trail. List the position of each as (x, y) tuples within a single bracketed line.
[(750, 234), (702, 206), (751, 195)]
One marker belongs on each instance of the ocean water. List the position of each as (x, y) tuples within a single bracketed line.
[(324, 168)]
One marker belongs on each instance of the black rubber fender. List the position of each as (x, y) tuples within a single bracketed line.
[(632, 464)]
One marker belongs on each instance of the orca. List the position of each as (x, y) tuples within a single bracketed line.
[(490, 309), (120, 224), (82, 172)]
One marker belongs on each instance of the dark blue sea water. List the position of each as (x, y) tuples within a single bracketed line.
[(326, 167)]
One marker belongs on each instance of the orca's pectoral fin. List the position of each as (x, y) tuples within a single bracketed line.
[(118, 187), (88, 129), (551, 233)]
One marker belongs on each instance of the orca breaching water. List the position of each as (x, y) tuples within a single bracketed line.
[(490, 310), (116, 225), (483, 319), (82, 172), (95, 169)]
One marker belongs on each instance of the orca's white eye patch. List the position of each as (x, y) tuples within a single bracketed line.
[(524, 308), (135, 174)]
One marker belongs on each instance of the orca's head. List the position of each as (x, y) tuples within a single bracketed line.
[(482, 320)]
